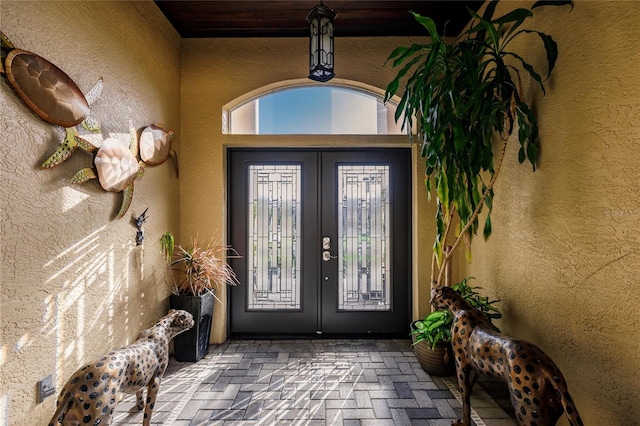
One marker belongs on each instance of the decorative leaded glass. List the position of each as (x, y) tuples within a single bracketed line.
[(274, 237), (364, 238)]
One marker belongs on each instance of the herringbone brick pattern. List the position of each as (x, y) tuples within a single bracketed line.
[(309, 382)]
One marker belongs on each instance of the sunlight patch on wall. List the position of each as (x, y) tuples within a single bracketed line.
[(74, 313), (69, 350), (76, 251), (108, 300), (111, 279), (80, 306), (23, 342), (71, 197), (139, 261), (48, 315), (4, 409)]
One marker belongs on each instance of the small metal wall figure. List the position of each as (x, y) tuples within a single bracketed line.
[(139, 221)]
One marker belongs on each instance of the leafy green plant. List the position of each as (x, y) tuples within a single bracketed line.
[(201, 268), (167, 245), (459, 97), (436, 326)]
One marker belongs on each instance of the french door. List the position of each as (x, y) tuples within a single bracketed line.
[(324, 242)]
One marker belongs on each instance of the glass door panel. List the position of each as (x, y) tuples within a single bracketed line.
[(363, 235), (274, 237)]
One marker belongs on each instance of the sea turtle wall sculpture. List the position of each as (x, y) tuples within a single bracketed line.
[(116, 167), (45, 88), (50, 93), (116, 164), (54, 97)]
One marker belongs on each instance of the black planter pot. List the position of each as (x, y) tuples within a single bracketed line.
[(192, 345), (433, 361)]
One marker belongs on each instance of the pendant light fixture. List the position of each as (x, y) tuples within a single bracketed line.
[(320, 20)]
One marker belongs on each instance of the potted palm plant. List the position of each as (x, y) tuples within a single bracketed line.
[(196, 271), (432, 335), (464, 100)]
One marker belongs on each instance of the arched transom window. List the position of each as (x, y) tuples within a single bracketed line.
[(320, 110)]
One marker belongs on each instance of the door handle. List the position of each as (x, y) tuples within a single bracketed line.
[(326, 245)]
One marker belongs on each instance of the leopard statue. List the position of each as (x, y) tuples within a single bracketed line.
[(537, 388), (92, 393)]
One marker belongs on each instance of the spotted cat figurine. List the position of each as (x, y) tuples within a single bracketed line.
[(91, 394), (537, 389)]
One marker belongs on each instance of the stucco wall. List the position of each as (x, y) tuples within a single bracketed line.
[(217, 72), (73, 282), (564, 254)]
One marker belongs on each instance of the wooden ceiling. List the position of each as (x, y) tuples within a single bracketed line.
[(356, 18)]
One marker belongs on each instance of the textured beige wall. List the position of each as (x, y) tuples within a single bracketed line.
[(73, 282), (565, 243), (564, 254), (216, 72)]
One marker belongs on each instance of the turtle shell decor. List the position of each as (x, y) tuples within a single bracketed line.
[(116, 167), (51, 94), (90, 126), (45, 88), (155, 146)]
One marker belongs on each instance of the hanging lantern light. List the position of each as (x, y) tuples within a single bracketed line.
[(320, 20)]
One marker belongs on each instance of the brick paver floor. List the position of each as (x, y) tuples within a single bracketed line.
[(309, 382)]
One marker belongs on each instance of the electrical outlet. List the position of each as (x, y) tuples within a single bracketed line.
[(45, 388)]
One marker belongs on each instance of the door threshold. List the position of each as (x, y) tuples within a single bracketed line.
[(307, 336)]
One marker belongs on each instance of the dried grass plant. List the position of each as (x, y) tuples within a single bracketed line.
[(202, 268)]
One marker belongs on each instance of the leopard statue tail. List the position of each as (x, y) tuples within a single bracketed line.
[(567, 402)]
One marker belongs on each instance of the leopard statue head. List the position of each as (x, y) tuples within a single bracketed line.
[(180, 321), (443, 297)]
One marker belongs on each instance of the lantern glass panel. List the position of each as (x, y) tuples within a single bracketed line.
[(321, 43)]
